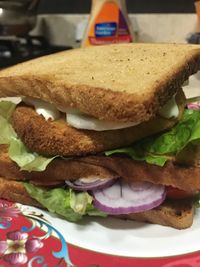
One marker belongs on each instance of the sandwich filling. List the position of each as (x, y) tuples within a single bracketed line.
[(104, 195)]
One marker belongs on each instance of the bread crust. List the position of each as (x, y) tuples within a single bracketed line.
[(16, 192), (124, 82), (58, 138), (176, 214)]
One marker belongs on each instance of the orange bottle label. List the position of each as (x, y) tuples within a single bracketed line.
[(110, 26)]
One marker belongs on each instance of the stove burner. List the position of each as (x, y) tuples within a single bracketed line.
[(15, 50)]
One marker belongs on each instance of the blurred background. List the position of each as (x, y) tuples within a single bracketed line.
[(31, 28)]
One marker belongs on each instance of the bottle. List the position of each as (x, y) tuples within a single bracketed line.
[(108, 23)]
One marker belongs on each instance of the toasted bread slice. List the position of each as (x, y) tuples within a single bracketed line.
[(123, 82), (16, 192), (174, 214), (183, 177), (58, 138)]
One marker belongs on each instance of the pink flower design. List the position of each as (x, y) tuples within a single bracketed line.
[(14, 250), (3, 246), (16, 258), (7, 210)]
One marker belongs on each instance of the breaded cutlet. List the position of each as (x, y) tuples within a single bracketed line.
[(52, 138)]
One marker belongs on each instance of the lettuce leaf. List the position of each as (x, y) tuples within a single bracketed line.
[(158, 148), (17, 151), (6, 109), (196, 200), (64, 202), (26, 159), (6, 131)]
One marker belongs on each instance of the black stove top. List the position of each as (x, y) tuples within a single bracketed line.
[(14, 50)]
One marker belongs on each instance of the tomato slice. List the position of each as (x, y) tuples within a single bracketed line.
[(175, 193)]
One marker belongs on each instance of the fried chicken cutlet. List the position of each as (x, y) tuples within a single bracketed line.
[(58, 138)]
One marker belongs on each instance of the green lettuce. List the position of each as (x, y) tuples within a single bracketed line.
[(64, 202), (25, 159), (6, 130), (196, 200), (6, 109), (17, 151), (159, 148)]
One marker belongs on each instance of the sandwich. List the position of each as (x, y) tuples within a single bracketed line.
[(103, 131)]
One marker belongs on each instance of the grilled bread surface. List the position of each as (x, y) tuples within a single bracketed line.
[(123, 82), (16, 192), (176, 214)]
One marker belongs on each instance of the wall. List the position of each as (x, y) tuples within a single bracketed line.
[(175, 23), (149, 27)]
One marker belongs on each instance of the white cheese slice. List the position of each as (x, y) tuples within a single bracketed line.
[(79, 120), (170, 109), (48, 111), (83, 121)]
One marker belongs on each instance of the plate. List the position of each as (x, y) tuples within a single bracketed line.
[(33, 237), (128, 238)]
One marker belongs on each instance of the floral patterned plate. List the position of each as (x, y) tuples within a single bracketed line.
[(33, 237)]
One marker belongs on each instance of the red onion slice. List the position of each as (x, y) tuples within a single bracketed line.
[(124, 198), (90, 183)]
